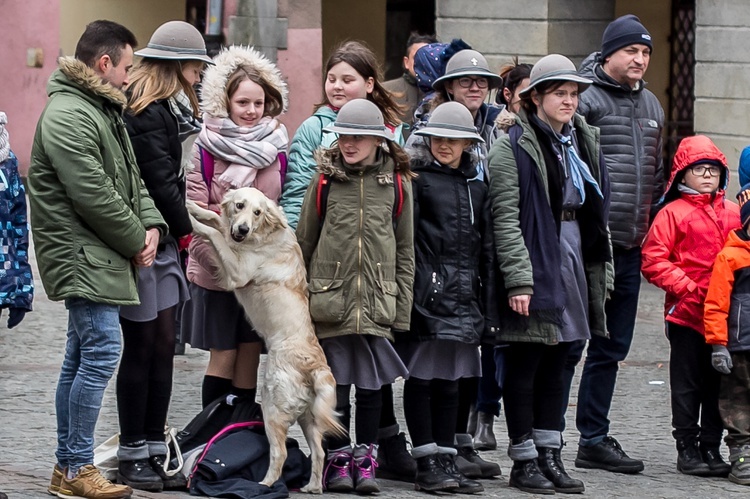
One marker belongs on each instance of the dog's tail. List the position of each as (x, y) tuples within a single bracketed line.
[(324, 407)]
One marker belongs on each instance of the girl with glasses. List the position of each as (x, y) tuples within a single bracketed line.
[(678, 256)]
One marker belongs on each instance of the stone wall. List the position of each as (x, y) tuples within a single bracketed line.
[(722, 76), (501, 29)]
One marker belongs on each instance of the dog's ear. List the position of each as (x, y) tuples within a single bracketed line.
[(273, 218)]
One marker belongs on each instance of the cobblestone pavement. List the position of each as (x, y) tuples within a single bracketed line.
[(30, 358)]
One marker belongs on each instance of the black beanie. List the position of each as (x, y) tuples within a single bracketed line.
[(624, 31)]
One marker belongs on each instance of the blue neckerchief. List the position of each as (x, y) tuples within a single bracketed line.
[(579, 171)]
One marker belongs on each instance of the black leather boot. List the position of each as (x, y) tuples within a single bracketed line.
[(551, 466), (689, 459), (431, 476), (526, 476), (394, 461), (712, 457), (465, 485), (138, 474), (178, 481)]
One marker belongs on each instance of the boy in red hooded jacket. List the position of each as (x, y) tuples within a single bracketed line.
[(678, 256), (727, 326)]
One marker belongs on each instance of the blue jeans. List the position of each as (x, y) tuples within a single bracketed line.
[(604, 354), (91, 354)]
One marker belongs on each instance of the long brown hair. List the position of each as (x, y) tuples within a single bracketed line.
[(363, 60), (274, 103), (401, 160), (157, 79)]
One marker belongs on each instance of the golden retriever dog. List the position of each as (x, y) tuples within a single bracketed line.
[(259, 259)]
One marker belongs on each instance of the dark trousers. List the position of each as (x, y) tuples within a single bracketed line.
[(734, 401), (533, 387), (695, 387), (604, 354), (490, 389)]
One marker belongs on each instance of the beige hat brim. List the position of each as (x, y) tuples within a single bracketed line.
[(494, 80), (155, 53), (448, 132), (351, 129), (583, 83)]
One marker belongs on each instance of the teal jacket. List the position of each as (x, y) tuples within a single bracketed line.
[(89, 208), (302, 164)]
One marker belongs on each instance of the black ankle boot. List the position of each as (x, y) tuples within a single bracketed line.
[(178, 481), (431, 476), (394, 461), (716, 464), (138, 474), (689, 459), (551, 466), (526, 476), (465, 485)]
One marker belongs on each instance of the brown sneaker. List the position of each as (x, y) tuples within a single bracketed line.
[(90, 484), (54, 483)]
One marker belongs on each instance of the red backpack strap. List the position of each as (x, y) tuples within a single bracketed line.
[(321, 201), (398, 202)]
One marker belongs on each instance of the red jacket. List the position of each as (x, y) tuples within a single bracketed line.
[(687, 234)]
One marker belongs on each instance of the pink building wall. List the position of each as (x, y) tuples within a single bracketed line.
[(27, 24)]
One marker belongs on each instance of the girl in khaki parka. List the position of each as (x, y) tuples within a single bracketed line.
[(359, 255)]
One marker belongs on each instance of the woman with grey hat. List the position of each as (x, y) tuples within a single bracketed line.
[(161, 120), (454, 293), (468, 81), (356, 235), (550, 197)]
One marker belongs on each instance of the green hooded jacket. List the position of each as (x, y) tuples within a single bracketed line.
[(360, 269), (89, 208)]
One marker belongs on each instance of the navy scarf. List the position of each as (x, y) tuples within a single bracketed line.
[(540, 234)]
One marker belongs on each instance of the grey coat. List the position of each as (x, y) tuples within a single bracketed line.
[(631, 123)]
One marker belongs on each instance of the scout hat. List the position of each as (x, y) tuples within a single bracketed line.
[(176, 40), (451, 120), (360, 117)]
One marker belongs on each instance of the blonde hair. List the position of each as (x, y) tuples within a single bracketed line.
[(157, 79)]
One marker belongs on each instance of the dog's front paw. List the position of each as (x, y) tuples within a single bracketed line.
[(199, 228), (312, 488)]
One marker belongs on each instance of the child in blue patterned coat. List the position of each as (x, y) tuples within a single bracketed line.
[(16, 282)]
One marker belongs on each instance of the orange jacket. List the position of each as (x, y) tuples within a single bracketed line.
[(726, 323)]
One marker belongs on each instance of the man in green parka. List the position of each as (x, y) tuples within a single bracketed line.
[(93, 224)]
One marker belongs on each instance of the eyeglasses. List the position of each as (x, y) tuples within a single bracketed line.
[(467, 82), (700, 170)]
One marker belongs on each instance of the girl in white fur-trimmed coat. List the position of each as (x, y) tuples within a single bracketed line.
[(241, 145)]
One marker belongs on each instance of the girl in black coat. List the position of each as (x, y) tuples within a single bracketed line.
[(453, 292), (161, 117)]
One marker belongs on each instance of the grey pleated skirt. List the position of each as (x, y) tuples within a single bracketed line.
[(576, 311), (363, 360), (160, 286), (440, 359), (215, 320)]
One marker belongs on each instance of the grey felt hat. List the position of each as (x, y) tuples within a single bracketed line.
[(176, 40), (467, 63), (360, 117), (451, 120), (555, 67)]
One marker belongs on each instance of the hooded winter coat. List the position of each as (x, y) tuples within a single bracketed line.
[(631, 122), (687, 234), (360, 268), (201, 269), (454, 277), (89, 208)]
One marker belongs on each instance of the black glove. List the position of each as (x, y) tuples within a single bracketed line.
[(15, 317)]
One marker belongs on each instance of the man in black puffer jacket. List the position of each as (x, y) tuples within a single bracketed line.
[(631, 122)]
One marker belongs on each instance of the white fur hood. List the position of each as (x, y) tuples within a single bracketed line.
[(213, 101)]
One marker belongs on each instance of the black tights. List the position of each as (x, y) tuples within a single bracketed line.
[(144, 381), (533, 389), (431, 408), (366, 419)]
